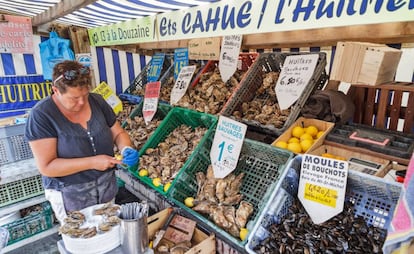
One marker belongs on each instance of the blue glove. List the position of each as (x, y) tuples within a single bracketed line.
[(130, 156)]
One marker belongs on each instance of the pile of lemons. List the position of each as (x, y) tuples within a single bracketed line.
[(302, 138)]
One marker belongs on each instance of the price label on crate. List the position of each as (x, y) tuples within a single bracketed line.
[(322, 186), (180, 60), (152, 93), (227, 144), (181, 84), (229, 56), (157, 62), (295, 75)]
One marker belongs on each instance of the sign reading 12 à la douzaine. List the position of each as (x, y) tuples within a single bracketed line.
[(254, 16)]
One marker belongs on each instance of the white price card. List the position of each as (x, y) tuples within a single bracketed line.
[(152, 93), (322, 186), (226, 147), (296, 73), (181, 84), (229, 56)]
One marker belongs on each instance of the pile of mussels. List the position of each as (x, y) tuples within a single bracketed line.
[(344, 233)]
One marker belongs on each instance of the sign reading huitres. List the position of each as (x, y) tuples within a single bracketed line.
[(128, 32)]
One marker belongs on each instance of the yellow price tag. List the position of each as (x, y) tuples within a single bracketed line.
[(110, 97), (320, 194)]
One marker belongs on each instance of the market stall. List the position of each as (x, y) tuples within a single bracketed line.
[(235, 133)]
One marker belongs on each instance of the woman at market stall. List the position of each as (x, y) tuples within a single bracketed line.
[(72, 135)]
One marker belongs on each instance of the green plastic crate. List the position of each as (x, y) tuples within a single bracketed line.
[(263, 165), (176, 117), (30, 225), (16, 191)]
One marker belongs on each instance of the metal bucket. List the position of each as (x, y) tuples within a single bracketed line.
[(134, 236)]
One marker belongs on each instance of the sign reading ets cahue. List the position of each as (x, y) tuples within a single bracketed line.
[(16, 35)]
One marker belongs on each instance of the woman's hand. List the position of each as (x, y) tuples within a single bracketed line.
[(103, 162)]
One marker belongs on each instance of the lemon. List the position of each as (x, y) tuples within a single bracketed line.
[(312, 130), (293, 140), (143, 172), (189, 201), (306, 144), (328, 155), (294, 147), (167, 186), (306, 136), (297, 131), (320, 133), (281, 144), (156, 181), (243, 233)]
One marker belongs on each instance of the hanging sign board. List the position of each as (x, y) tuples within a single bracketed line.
[(229, 55), (226, 147), (296, 73), (204, 49), (110, 97), (181, 84), (180, 60), (322, 186), (157, 63), (152, 93), (16, 35)]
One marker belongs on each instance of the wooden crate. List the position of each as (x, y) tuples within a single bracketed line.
[(304, 122), (201, 242), (379, 65), (364, 63), (381, 106), (347, 154)]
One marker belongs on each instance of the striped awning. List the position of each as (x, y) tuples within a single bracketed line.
[(92, 13)]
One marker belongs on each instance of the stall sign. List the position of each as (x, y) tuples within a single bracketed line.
[(22, 92), (322, 186), (227, 145), (180, 60), (204, 49), (16, 35), (84, 58), (128, 32), (296, 73), (152, 93), (181, 84), (157, 63), (262, 16), (229, 55), (109, 95)]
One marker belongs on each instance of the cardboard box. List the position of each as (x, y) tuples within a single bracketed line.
[(201, 242), (348, 154), (305, 122)]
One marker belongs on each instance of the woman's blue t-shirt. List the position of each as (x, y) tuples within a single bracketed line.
[(73, 141)]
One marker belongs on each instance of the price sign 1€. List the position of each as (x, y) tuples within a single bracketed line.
[(152, 92), (226, 147), (296, 73), (322, 186), (181, 84)]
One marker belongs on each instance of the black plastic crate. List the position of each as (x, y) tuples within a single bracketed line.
[(246, 92), (399, 145)]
